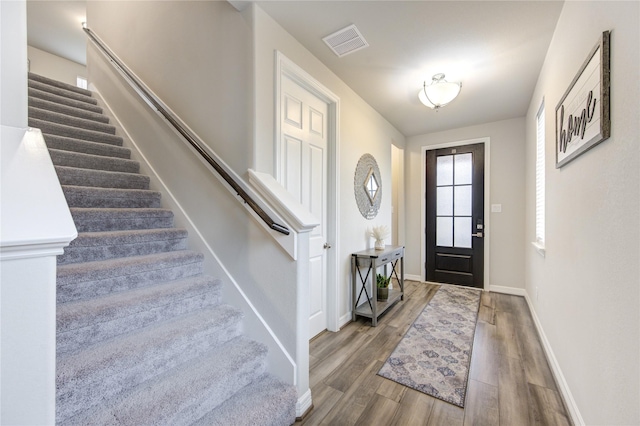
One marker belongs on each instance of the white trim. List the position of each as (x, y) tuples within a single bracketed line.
[(284, 66), (303, 404), (487, 202), (542, 251), (413, 277), (561, 382), (345, 319), (508, 290), (194, 231)]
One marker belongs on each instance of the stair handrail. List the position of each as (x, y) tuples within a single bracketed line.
[(180, 126)]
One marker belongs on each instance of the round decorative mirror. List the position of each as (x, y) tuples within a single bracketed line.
[(367, 186)]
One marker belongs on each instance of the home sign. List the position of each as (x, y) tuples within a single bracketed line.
[(582, 115)]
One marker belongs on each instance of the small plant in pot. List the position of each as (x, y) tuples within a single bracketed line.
[(382, 283)]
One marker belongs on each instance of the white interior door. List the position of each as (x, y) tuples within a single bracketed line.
[(304, 145)]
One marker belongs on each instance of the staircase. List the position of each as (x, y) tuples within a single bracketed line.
[(142, 335)]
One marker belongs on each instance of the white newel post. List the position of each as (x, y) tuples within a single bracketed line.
[(35, 225)]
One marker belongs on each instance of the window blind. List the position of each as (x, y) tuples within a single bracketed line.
[(540, 176)]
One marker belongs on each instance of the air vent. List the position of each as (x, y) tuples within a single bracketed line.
[(345, 41)]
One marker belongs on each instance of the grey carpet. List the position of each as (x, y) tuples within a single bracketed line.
[(142, 334)]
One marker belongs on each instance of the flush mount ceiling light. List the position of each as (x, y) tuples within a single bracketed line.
[(439, 93)]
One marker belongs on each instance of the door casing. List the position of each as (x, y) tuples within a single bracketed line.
[(487, 202), (284, 66)]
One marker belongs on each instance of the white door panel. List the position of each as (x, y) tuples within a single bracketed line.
[(303, 173)]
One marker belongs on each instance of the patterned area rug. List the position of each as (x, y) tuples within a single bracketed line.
[(434, 356)]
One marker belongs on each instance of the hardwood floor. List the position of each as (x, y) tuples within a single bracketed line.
[(510, 382)]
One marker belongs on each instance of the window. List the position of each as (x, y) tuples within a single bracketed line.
[(540, 180), (81, 82)]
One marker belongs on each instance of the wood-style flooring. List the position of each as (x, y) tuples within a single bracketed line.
[(510, 382)]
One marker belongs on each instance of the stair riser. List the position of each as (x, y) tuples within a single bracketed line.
[(40, 94), (59, 84), (76, 254), (109, 327), (83, 147), (67, 110), (88, 225), (81, 392), (77, 287), (75, 132), (101, 179), (68, 120), (62, 92), (87, 161)]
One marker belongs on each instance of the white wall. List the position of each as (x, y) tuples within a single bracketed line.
[(589, 283), (362, 130), (506, 229), (13, 76), (55, 67)]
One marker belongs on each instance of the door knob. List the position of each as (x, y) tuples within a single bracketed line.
[(477, 234), (327, 245)]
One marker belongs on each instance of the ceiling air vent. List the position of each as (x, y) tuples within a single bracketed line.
[(345, 41)]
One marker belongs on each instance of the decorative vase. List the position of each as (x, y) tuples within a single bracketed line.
[(379, 245)]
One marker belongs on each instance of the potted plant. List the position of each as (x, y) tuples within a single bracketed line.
[(382, 283)]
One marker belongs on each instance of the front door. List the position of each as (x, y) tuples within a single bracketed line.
[(304, 146), (455, 215)]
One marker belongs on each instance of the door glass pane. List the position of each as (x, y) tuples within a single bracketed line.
[(444, 170), (463, 169), (444, 203), (462, 236), (462, 196), (444, 231)]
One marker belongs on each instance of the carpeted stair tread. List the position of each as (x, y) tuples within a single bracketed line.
[(265, 402), (64, 143), (93, 246), (52, 97), (84, 196), (74, 132), (46, 105), (70, 120), (101, 178), (70, 94), (121, 366), (87, 322), (79, 281), (186, 393), (59, 84), (110, 219), (94, 162)]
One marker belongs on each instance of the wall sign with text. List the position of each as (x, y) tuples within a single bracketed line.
[(582, 115)]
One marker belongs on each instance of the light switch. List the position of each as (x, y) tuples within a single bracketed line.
[(496, 208)]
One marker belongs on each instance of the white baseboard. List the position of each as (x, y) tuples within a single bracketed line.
[(508, 290), (561, 382), (412, 277), (303, 404)]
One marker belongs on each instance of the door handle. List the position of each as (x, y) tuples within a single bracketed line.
[(327, 246), (477, 234)]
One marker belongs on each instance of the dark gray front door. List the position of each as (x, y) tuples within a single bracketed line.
[(455, 215)]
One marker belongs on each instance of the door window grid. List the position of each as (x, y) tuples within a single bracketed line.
[(453, 200)]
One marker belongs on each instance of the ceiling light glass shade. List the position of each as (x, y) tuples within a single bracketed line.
[(439, 93)]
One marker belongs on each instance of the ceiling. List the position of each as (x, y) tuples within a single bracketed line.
[(495, 48)]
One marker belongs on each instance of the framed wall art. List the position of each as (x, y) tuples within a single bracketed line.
[(582, 115)]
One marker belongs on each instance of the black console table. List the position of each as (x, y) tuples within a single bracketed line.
[(363, 303)]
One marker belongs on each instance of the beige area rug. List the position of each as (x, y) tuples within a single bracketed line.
[(434, 355)]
